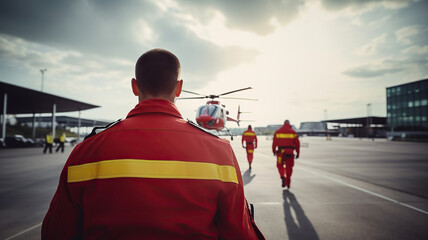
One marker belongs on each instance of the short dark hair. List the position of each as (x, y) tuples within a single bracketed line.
[(157, 72)]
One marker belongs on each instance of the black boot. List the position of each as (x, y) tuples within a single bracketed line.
[(283, 181)]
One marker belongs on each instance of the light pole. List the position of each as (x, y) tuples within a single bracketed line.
[(43, 76), (40, 115), (326, 128), (369, 113)]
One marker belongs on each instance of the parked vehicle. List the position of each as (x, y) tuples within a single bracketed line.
[(73, 141), (18, 141)]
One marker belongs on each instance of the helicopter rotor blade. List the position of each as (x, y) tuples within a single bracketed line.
[(242, 89), (192, 92), (250, 99), (190, 98)]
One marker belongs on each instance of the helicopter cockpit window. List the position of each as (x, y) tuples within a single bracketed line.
[(211, 110)]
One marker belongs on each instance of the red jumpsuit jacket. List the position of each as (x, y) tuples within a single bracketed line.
[(151, 176), (286, 138), (249, 136)]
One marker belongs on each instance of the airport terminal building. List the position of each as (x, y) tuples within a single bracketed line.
[(407, 110)]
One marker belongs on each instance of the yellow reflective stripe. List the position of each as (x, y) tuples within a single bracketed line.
[(249, 134), (286, 135), (250, 151), (151, 169)]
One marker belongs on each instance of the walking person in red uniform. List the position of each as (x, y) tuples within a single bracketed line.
[(285, 142), (152, 175), (250, 139)]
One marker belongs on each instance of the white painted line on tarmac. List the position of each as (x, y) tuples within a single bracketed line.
[(22, 232), (268, 203), (366, 191)]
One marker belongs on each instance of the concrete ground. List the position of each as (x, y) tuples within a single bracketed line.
[(340, 189)]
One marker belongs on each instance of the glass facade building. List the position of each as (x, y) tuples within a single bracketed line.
[(407, 110)]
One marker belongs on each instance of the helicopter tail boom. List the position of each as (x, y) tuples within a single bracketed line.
[(237, 120)]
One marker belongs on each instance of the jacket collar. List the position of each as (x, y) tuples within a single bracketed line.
[(155, 106)]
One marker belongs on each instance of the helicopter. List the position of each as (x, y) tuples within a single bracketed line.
[(213, 115)]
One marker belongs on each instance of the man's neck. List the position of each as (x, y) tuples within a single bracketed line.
[(147, 97)]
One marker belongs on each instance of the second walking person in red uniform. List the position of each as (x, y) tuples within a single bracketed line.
[(250, 139), (285, 142)]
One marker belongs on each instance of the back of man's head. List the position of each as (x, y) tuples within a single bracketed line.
[(286, 122), (249, 127), (157, 72)]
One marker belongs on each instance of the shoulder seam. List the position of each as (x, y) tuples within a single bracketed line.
[(94, 130), (191, 123)]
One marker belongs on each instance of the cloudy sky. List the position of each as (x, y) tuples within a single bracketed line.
[(306, 60)]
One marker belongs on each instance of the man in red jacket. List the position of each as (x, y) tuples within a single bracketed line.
[(285, 142), (250, 139), (152, 175)]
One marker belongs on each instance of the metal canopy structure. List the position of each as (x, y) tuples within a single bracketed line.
[(20, 100), (360, 120), (23, 100), (66, 121), (369, 126)]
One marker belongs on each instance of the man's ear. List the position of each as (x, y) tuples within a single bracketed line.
[(178, 88), (134, 86)]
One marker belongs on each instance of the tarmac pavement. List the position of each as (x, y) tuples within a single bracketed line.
[(340, 189)]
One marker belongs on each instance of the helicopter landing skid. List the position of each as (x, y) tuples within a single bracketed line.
[(228, 131)]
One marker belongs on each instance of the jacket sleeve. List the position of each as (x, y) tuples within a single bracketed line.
[(274, 143), (297, 145), (63, 219), (233, 215), (255, 139)]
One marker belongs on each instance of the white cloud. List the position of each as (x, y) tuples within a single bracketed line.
[(299, 59), (404, 35), (380, 22), (396, 4), (357, 22), (372, 70), (65, 68), (31, 55), (246, 15), (144, 33), (358, 7), (387, 67), (217, 32), (416, 50), (372, 47)]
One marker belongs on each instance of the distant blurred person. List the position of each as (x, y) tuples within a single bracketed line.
[(153, 175), (285, 142), (250, 139), (48, 143), (61, 143)]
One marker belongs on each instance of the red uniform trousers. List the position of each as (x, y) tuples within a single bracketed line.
[(285, 163), (250, 151)]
